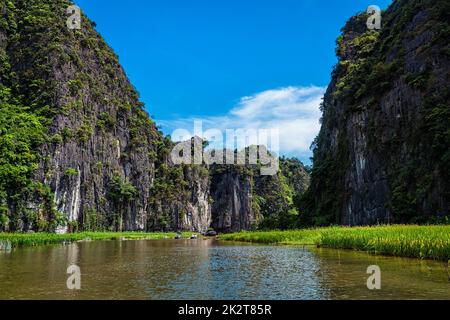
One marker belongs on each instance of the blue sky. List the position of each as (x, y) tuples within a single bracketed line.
[(229, 61)]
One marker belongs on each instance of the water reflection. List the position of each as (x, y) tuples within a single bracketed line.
[(401, 278), (199, 269)]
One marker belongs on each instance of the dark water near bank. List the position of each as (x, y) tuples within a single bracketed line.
[(206, 269)]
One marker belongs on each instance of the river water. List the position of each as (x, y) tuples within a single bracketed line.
[(209, 269)]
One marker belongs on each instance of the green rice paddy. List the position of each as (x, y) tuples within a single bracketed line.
[(423, 242)]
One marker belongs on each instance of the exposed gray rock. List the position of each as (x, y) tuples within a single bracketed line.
[(378, 157)]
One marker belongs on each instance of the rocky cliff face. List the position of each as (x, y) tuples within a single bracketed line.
[(382, 155), (180, 199), (232, 194), (101, 151), (91, 158), (243, 199)]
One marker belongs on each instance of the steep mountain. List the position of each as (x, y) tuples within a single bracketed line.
[(77, 149), (96, 160), (97, 163), (383, 153)]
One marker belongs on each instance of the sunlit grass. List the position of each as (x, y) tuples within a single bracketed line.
[(424, 242), (34, 239), (305, 236)]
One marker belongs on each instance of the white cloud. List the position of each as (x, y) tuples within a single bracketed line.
[(293, 110)]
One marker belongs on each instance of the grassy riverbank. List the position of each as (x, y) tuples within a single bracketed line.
[(423, 242), (34, 239)]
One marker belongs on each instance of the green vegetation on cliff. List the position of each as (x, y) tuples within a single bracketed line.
[(21, 133), (275, 198)]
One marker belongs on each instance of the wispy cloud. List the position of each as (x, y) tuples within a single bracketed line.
[(294, 111)]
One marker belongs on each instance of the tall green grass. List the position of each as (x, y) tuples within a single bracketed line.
[(423, 242), (305, 237), (34, 239)]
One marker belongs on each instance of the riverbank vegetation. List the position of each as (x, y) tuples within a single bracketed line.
[(13, 240), (423, 242)]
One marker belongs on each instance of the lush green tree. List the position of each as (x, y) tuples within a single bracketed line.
[(121, 193), (21, 133)]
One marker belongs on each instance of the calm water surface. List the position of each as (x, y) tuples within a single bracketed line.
[(207, 269)]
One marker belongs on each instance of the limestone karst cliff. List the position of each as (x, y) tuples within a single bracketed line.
[(383, 153)]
